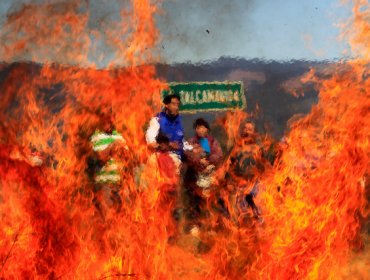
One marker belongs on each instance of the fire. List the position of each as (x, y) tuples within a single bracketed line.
[(315, 197), (53, 230), (312, 198)]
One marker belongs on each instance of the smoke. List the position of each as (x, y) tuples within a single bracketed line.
[(86, 33), (211, 24)]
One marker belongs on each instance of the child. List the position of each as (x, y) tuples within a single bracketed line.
[(206, 154), (202, 160), (161, 175), (106, 145)]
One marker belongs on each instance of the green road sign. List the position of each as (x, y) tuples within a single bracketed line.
[(208, 96)]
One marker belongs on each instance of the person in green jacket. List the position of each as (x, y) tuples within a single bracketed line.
[(107, 145)]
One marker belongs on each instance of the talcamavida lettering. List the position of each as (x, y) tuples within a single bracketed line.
[(208, 96)]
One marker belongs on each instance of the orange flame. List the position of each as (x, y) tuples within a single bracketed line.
[(312, 199)]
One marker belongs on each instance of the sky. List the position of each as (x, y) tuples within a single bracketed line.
[(203, 30), (267, 29)]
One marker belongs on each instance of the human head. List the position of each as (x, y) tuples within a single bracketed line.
[(163, 141), (248, 131), (172, 104), (106, 123), (201, 127)]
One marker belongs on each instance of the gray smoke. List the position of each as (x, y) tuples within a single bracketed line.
[(201, 28)]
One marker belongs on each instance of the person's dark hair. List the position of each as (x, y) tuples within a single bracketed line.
[(201, 122), (167, 99), (248, 121), (162, 138)]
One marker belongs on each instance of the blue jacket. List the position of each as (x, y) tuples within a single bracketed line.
[(172, 127)]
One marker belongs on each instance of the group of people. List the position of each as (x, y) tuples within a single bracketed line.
[(204, 174), (196, 160), (191, 184)]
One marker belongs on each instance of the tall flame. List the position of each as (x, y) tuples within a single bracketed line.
[(312, 199), (315, 197)]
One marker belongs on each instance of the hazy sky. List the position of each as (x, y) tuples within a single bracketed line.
[(197, 30), (270, 29)]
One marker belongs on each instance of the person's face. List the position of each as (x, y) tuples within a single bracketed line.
[(163, 146), (201, 131), (107, 125), (249, 131), (173, 107)]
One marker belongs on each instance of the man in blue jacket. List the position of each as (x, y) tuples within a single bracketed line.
[(169, 123)]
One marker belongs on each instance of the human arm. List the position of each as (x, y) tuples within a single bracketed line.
[(152, 132), (193, 155)]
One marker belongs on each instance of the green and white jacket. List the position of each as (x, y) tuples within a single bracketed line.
[(110, 171)]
